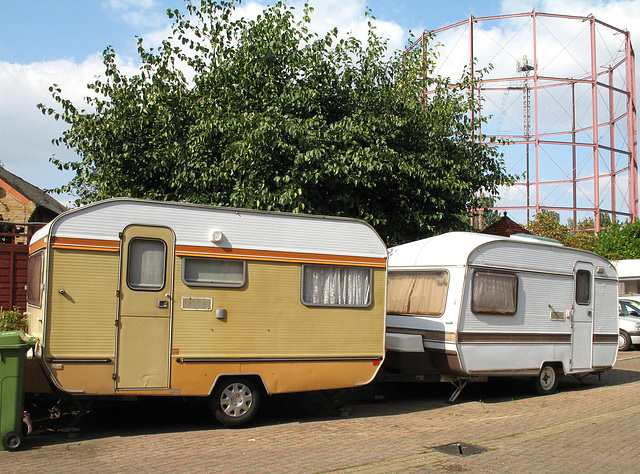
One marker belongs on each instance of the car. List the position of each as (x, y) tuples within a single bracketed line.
[(629, 324)]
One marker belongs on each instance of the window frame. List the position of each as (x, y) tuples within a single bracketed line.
[(583, 271), (186, 258), (330, 305), (164, 265), (472, 303), (40, 255), (624, 281)]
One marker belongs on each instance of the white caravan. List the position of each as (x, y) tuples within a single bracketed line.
[(629, 279), (467, 305)]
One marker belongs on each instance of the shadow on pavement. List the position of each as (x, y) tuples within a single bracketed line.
[(156, 415)]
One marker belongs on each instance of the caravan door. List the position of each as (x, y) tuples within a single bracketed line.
[(582, 317), (145, 308)]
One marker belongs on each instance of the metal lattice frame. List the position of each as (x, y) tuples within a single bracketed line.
[(562, 91)]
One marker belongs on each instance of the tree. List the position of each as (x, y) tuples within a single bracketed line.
[(278, 118), (547, 224), (619, 241)]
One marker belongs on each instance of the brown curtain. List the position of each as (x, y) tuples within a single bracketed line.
[(494, 293), (419, 293)]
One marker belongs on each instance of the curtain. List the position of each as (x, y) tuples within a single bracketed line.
[(146, 264), (494, 293), (420, 293), (336, 286)]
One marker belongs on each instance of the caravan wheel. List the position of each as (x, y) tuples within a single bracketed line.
[(234, 402), (547, 380)]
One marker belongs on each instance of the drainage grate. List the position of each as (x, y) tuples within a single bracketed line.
[(460, 449)]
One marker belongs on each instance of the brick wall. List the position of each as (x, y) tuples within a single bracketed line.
[(15, 208)]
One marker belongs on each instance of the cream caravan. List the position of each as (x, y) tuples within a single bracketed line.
[(467, 305), (132, 297)]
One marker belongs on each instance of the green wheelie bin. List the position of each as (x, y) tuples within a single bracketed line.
[(13, 349)]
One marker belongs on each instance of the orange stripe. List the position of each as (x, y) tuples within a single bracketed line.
[(277, 256), (85, 244), (40, 244), (245, 254)]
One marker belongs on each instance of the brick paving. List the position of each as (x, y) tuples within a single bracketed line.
[(592, 426)]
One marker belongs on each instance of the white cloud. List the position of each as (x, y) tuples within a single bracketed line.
[(623, 14), (563, 50), (349, 17), (139, 13), (26, 134)]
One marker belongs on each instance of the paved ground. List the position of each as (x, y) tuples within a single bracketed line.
[(593, 427)]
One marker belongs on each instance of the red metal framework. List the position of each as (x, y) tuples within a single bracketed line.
[(562, 91)]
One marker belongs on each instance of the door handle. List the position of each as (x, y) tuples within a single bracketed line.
[(163, 304)]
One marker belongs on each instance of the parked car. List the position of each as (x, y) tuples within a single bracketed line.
[(629, 324)]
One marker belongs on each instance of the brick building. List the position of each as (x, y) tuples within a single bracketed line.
[(23, 209), (22, 202)]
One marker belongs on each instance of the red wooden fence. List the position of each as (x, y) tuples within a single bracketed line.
[(14, 253), (13, 276)]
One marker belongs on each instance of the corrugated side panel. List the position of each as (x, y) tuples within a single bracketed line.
[(241, 229), (538, 295), (606, 308), (540, 257), (81, 321), (267, 319)]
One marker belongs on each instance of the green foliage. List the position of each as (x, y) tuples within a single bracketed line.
[(547, 224), (274, 117), (5, 229), (620, 241), (614, 242), (585, 238), (12, 320)]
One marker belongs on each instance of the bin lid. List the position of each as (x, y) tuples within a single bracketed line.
[(13, 339)]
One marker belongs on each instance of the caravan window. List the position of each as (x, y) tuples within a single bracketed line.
[(34, 279), (629, 287), (583, 287), (417, 293), (331, 285), (494, 292), (213, 272), (147, 258)]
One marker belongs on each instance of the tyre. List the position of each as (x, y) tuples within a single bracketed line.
[(235, 402), (12, 441), (624, 341), (547, 380)]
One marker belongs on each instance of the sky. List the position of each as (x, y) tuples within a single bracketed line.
[(45, 42)]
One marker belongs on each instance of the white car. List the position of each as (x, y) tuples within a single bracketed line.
[(629, 324)]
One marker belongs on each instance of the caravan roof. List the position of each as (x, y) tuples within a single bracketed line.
[(628, 267), (463, 248), (448, 249), (194, 225)]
